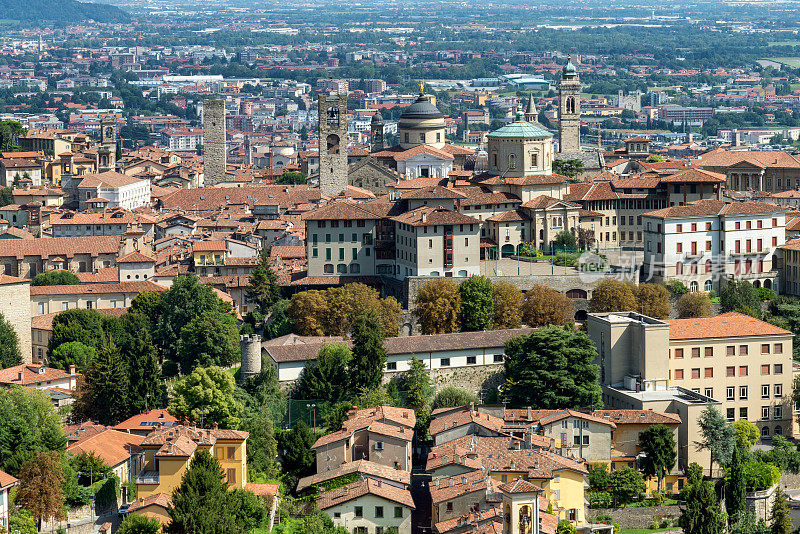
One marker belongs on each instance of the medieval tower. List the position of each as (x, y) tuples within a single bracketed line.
[(332, 144), (569, 110), (376, 131), (250, 347), (107, 150), (215, 156)]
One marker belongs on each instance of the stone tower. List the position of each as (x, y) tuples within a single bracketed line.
[(215, 155), (531, 115), (248, 151), (569, 110), (376, 130), (107, 151), (250, 347), (332, 144)]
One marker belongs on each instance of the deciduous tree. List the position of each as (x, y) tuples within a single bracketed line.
[(185, 300), (552, 368), (565, 240), (507, 306), (40, 489), (207, 395), (612, 296), (9, 345), (693, 305), (746, 433), (279, 322), (438, 304), (627, 484), (209, 339), (28, 424), (139, 524), (544, 306), (73, 353), (739, 294), (658, 445), (652, 300), (55, 278), (451, 396), (308, 311)]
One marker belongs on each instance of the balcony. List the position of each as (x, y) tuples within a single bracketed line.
[(147, 477)]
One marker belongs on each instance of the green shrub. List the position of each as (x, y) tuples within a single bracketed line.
[(764, 293), (600, 499), (676, 287), (759, 476), (603, 517)]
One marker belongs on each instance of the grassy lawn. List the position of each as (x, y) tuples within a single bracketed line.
[(793, 62), (651, 502)]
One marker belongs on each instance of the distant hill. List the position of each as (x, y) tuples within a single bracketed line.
[(59, 11)]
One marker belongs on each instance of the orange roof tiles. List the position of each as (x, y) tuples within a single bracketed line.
[(731, 324), (6, 480), (111, 446), (147, 421), (363, 487), (60, 246), (97, 289), (32, 374)]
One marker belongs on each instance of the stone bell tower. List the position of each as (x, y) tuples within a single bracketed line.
[(376, 131), (520, 507), (332, 144), (107, 151), (569, 110)]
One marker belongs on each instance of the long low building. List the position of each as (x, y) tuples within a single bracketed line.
[(51, 299), (437, 351)]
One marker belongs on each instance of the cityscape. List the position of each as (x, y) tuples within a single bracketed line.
[(399, 268)]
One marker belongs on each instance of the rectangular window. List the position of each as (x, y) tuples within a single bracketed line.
[(778, 412), (743, 412), (231, 453), (359, 511), (709, 372), (742, 370), (678, 374), (778, 369), (742, 350), (695, 352), (765, 348), (327, 254), (341, 254), (576, 440), (679, 229), (444, 362), (709, 392), (472, 360), (498, 358), (679, 353), (778, 390), (765, 412), (391, 366), (730, 393), (742, 392), (355, 253), (709, 352), (730, 413), (778, 348), (398, 512), (765, 369), (379, 511), (765, 391), (731, 350), (696, 372), (730, 371), (232, 476), (679, 247)]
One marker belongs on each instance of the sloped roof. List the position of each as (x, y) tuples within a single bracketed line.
[(363, 487), (731, 324), (111, 446)]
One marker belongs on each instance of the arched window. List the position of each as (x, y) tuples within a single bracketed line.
[(693, 286), (778, 430), (341, 268), (333, 116), (512, 161), (570, 105), (764, 431), (707, 286)]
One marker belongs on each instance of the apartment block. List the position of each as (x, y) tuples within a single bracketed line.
[(705, 243)]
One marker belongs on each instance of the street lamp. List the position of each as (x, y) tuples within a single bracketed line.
[(314, 412)]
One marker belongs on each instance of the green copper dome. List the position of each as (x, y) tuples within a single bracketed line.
[(569, 68), (521, 129)]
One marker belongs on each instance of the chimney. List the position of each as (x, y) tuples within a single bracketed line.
[(529, 413), (19, 376), (424, 217), (72, 369)]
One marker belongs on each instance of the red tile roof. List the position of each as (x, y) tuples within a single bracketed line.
[(60, 246), (97, 289), (6, 480), (111, 446), (363, 487), (32, 374), (731, 324), (147, 421), (364, 467)]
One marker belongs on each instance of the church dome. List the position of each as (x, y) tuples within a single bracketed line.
[(520, 129), (377, 118), (421, 109), (569, 68)]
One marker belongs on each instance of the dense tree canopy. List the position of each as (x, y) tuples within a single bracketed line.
[(438, 304), (55, 278), (477, 303), (507, 306), (365, 370), (325, 377), (207, 395), (544, 306), (28, 424), (613, 296), (10, 354), (333, 311), (552, 368), (694, 305), (211, 338)]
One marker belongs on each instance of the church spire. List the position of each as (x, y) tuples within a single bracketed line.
[(531, 115)]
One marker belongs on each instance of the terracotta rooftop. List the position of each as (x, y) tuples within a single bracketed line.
[(32, 374), (148, 420), (61, 246), (633, 417), (164, 500), (6, 480), (111, 446), (363, 487), (430, 216), (365, 467), (97, 289), (731, 324)]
